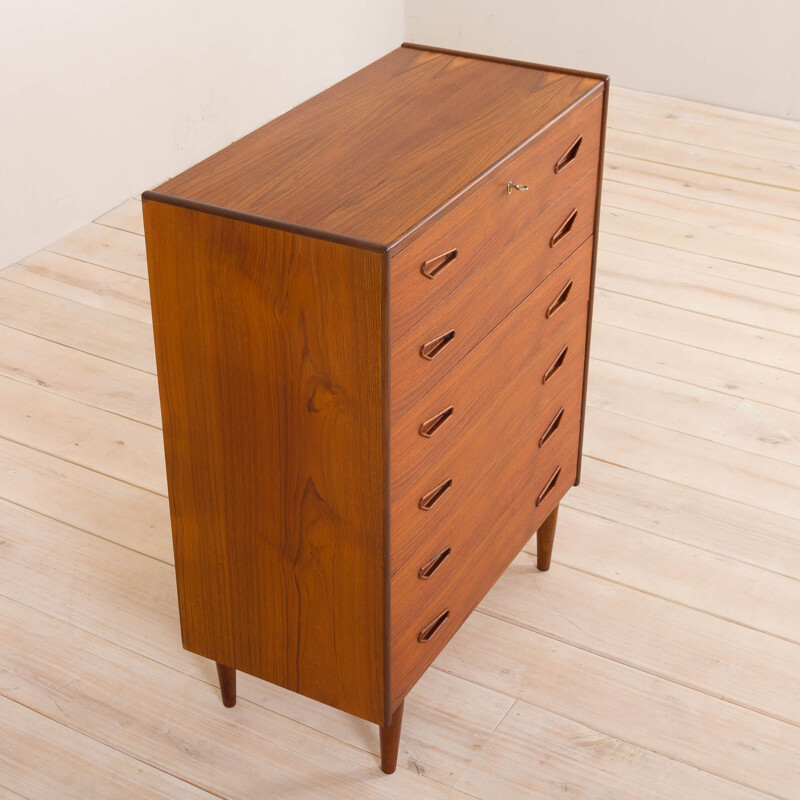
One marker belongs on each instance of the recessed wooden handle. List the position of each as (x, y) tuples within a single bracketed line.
[(433, 266), (429, 631), (559, 301), (548, 487), (430, 426), (428, 501), (431, 349), (427, 570), (552, 427), (564, 228), (569, 155), (556, 365)]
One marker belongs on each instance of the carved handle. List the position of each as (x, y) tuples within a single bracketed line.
[(427, 570), (556, 365), (549, 486), (431, 349), (552, 427), (569, 155), (428, 501), (429, 631), (559, 301), (433, 266), (564, 228), (430, 426)]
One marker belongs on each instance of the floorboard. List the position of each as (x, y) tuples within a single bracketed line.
[(660, 655)]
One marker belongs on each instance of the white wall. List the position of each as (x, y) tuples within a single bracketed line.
[(101, 99), (743, 54)]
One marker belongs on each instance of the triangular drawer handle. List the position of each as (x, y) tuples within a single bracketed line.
[(431, 349), (428, 501), (559, 301), (430, 426), (429, 631), (553, 426), (549, 486), (569, 155), (556, 365), (433, 266), (564, 228), (427, 570)]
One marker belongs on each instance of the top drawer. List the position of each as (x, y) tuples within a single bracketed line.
[(450, 250)]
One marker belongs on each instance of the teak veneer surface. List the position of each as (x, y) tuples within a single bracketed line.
[(298, 320), (271, 371), (373, 156)]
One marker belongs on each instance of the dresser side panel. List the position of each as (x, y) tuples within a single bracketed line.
[(270, 363)]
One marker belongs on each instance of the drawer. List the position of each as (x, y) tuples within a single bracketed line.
[(449, 414), (434, 345), (548, 439), (455, 490), (422, 626), (447, 252), (451, 485)]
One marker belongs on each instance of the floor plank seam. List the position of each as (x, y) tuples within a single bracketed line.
[(719, 258), (95, 264), (611, 176), (600, 285), (611, 149), (107, 744), (695, 488), (41, 513), (706, 144), (640, 668), (49, 390), (82, 465), (185, 675), (696, 347), (677, 602), (6, 279), (610, 734), (76, 349), (582, 510)]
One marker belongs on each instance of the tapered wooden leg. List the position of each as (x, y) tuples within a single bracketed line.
[(227, 684), (390, 741), (544, 541)]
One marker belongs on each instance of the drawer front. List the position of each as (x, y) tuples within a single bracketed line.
[(455, 489), (421, 630), (466, 405), (434, 345), (450, 250), (543, 441)]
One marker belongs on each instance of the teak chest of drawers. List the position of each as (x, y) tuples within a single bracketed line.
[(372, 321)]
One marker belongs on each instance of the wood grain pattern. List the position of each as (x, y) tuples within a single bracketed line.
[(270, 363), (489, 217), (544, 541), (493, 391), (488, 296), (390, 741), (376, 154), (490, 549), (462, 526)]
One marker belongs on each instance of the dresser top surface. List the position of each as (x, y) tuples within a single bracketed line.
[(372, 158)]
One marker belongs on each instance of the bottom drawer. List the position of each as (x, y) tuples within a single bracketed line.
[(527, 491)]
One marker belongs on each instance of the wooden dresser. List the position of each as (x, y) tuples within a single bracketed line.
[(371, 321)]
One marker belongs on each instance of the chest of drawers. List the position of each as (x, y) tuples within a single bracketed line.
[(372, 320)]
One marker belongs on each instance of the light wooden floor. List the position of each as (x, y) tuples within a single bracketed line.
[(660, 656)]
